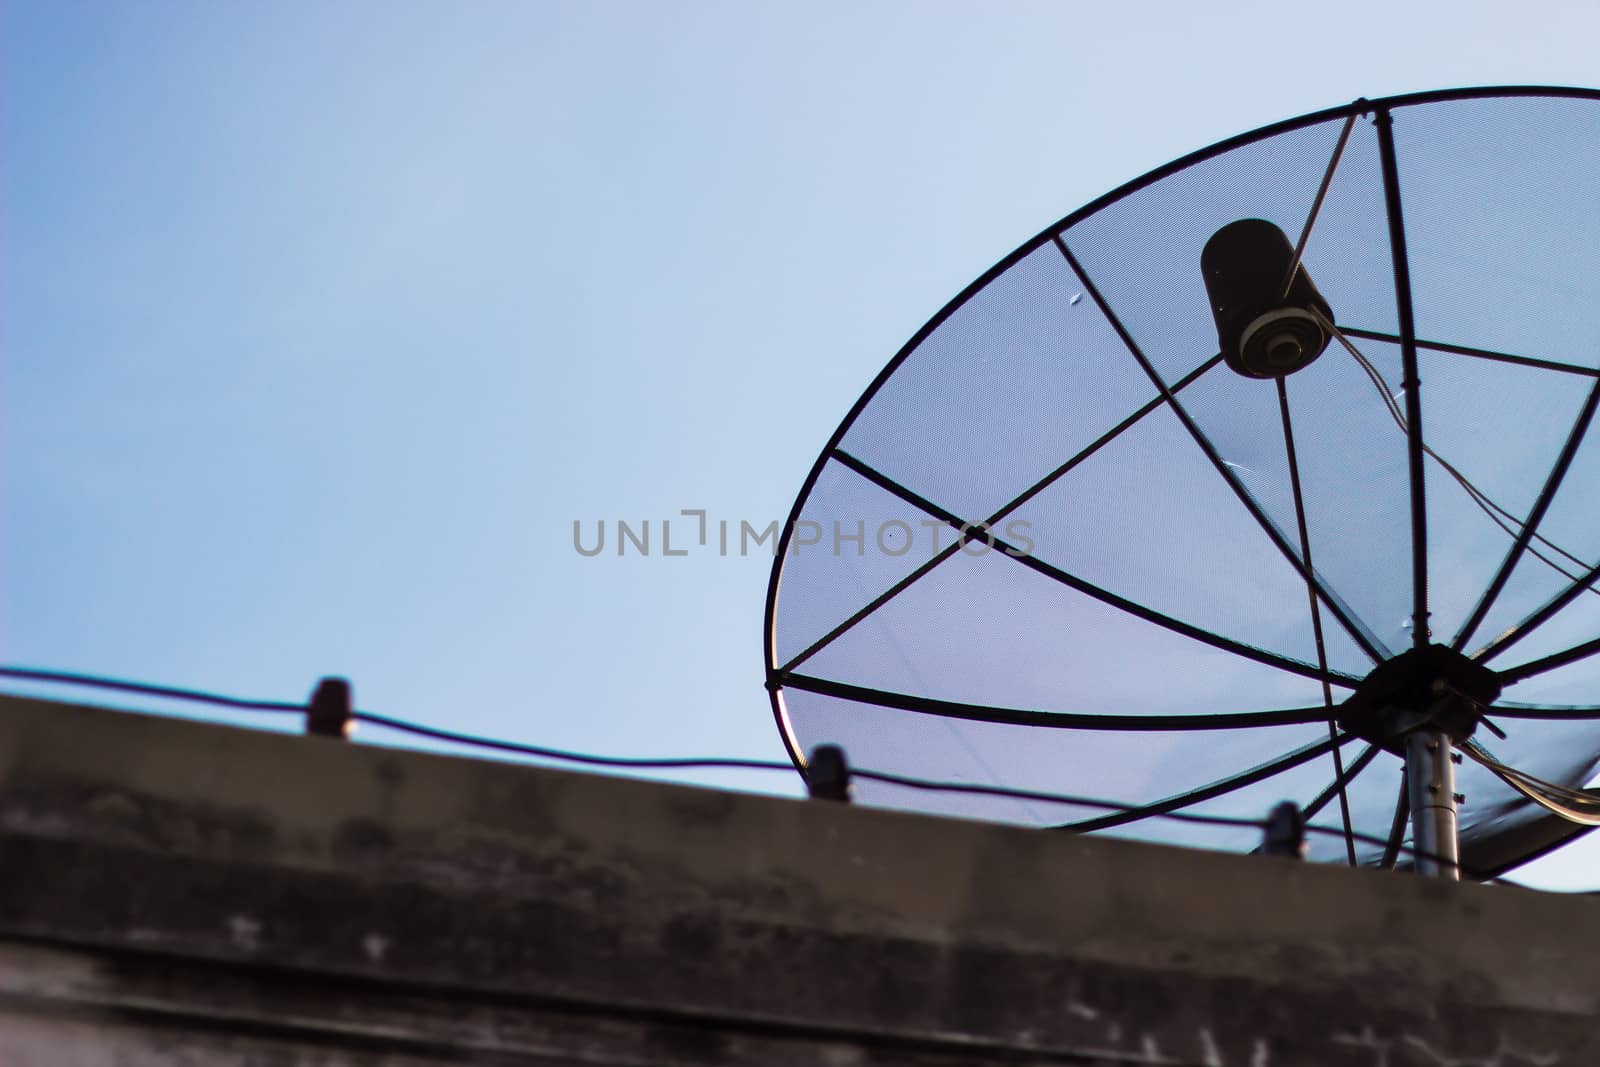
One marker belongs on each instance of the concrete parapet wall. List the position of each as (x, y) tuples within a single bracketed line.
[(174, 889)]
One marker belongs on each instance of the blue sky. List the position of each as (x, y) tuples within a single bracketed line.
[(322, 323)]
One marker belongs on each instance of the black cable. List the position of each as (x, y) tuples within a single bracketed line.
[(564, 755), (196, 695), (1050, 798), (1497, 514), (200, 696)]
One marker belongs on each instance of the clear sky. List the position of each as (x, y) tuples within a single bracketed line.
[(323, 322)]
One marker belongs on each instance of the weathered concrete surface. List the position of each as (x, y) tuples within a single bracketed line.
[(175, 892)]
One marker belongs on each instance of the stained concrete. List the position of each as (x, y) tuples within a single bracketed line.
[(173, 892)]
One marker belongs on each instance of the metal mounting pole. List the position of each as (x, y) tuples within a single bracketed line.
[(1431, 782)]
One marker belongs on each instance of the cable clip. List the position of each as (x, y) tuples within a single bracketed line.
[(1285, 832), (329, 712), (828, 774)]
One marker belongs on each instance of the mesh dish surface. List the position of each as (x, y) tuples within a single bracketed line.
[(1134, 548)]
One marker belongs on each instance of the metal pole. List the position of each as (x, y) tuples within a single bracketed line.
[(1431, 782)]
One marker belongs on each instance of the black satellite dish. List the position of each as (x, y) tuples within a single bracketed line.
[(1265, 476)]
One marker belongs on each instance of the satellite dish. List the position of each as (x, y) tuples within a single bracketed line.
[(1267, 475)]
